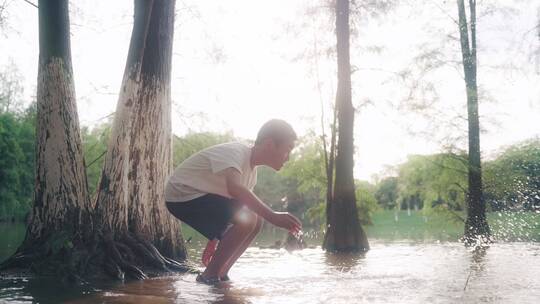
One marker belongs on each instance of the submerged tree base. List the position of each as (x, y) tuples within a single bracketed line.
[(477, 233), (105, 257)]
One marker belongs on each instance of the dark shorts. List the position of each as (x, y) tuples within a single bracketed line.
[(210, 214)]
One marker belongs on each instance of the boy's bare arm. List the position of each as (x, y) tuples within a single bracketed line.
[(246, 196)]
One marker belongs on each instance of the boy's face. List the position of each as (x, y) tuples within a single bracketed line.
[(278, 153)]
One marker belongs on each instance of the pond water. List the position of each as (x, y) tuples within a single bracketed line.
[(395, 272), (391, 272)]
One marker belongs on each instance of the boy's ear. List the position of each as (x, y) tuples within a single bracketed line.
[(268, 142)]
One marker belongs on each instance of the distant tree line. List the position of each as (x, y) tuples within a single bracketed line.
[(433, 183), (511, 181)]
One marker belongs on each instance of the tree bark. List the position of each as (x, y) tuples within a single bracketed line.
[(151, 139), (476, 226), (61, 200), (129, 199), (330, 161), (113, 193), (130, 224), (60, 218), (344, 232)]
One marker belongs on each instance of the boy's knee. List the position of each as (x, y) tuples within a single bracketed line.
[(247, 219)]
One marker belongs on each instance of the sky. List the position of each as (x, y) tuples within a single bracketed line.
[(238, 63)]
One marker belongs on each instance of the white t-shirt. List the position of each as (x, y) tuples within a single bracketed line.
[(202, 173)]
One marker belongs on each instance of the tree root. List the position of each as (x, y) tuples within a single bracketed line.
[(118, 266), (125, 255), (169, 264), (148, 257), (120, 258)]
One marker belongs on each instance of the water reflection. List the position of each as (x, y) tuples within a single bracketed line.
[(399, 272), (344, 262), (19, 289), (477, 265), (231, 295)]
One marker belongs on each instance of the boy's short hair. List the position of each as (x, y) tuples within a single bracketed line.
[(276, 129)]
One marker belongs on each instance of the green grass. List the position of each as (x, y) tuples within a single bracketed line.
[(515, 226), (415, 226), (505, 226)]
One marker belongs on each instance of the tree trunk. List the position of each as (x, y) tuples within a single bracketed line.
[(330, 161), (129, 199), (476, 226), (60, 218), (112, 194), (151, 151), (344, 232), (130, 219)]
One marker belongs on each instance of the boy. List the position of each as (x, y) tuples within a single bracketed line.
[(212, 192)]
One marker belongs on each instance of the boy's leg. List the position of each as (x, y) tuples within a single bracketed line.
[(230, 243), (209, 251), (240, 250)]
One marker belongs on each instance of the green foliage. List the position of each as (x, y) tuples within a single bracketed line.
[(9, 173), (512, 180), (426, 181), (317, 216), (437, 183), (185, 146), (95, 146), (366, 202), (387, 192), (17, 138), (271, 188), (305, 180)]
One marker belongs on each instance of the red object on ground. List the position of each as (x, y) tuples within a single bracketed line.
[(208, 252)]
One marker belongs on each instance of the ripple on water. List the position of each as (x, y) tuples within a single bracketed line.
[(399, 272)]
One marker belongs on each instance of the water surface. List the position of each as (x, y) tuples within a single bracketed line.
[(419, 270), (392, 272)]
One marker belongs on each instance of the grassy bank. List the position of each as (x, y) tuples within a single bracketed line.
[(505, 226)]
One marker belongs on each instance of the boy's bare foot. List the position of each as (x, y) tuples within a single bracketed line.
[(208, 281), (225, 278)]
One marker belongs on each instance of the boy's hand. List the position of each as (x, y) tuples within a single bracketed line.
[(287, 221)]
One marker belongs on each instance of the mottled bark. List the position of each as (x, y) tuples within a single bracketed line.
[(330, 167), (61, 199), (60, 218), (112, 196), (61, 194), (130, 219), (344, 232), (476, 226), (130, 195), (150, 151)]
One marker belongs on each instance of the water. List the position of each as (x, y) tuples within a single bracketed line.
[(393, 271), (11, 235)]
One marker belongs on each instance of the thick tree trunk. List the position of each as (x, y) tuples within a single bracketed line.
[(129, 219), (151, 152), (330, 161), (476, 226), (112, 196), (130, 199), (344, 232), (60, 218)]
